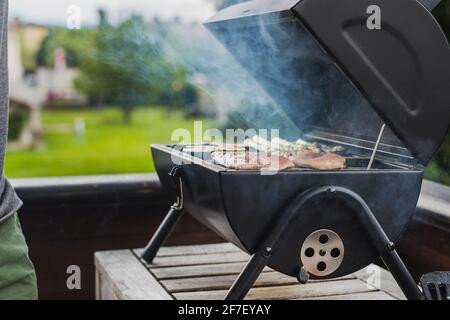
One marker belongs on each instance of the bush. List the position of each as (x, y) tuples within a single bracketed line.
[(17, 120), (443, 156), (439, 169)]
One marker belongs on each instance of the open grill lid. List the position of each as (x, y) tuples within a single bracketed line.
[(327, 70)]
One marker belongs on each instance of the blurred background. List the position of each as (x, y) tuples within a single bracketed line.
[(94, 82)]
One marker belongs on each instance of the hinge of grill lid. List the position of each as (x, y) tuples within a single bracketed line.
[(430, 4)]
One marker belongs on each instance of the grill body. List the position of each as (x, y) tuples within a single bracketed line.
[(243, 206)]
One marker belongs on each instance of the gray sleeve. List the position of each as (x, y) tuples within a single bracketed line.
[(3, 80), (9, 202)]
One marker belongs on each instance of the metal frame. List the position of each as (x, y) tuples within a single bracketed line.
[(379, 240)]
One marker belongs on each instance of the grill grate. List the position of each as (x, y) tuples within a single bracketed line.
[(354, 162)]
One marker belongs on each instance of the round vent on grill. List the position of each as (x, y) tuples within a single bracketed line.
[(322, 252)]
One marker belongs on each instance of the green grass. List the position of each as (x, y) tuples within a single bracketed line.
[(109, 146)]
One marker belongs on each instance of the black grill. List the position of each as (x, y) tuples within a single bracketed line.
[(389, 76)]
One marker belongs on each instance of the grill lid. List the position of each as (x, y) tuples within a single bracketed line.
[(327, 70)]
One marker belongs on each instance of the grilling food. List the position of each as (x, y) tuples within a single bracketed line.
[(257, 153), (328, 161), (252, 161), (278, 155), (286, 148), (241, 160), (259, 161), (230, 147), (279, 163), (304, 155)]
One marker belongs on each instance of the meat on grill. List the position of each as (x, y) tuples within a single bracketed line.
[(278, 163), (304, 155), (251, 161), (328, 161), (254, 160), (237, 160)]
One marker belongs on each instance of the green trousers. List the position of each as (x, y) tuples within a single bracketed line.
[(17, 275)]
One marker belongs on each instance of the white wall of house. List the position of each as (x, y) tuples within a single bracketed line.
[(58, 82)]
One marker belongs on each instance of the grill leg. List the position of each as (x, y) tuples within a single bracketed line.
[(248, 276), (380, 241), (401, 274), (163, 232)]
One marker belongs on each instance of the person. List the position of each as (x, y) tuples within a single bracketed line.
[(17, 275)]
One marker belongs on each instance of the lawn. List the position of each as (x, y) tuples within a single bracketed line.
[(109, 146)]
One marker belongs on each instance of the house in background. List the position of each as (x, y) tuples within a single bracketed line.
[(32, 87)]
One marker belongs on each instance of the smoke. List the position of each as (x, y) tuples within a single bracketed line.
[(295, 84), (239, 99), (262, 75), (268, 72)]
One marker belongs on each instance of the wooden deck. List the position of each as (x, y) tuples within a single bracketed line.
[(206, 272)]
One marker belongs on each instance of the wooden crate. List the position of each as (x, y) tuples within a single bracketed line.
[(207, 271)]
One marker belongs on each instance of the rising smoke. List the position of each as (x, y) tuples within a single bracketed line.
[(264, 71)]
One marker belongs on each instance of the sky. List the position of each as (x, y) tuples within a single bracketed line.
[(55, 11)]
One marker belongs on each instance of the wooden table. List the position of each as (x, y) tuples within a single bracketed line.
[(207, 272)]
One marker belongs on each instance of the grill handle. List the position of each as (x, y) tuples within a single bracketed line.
[(170, 221)]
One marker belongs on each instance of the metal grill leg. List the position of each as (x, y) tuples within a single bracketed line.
[(401, 274), (289, 215), (384, 247), (163, 232), (248, 276)]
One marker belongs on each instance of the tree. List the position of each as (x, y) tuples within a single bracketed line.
[(58, 37), (127, 68), (124, 65)]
